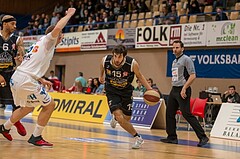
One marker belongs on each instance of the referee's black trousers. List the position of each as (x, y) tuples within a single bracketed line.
[(175, 102)]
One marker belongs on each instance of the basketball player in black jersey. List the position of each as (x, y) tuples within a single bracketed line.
[(11, 53), (119, 73)]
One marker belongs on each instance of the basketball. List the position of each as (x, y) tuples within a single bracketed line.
[(151, 97)]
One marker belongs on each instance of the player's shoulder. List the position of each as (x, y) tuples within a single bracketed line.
[(107, 57), (14, 36), (129, 59)]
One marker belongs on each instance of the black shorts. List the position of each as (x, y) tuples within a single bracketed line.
[(121, 101), (5, 92)]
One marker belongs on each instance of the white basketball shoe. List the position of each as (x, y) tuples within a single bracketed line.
[(138, 142), (113, 122)]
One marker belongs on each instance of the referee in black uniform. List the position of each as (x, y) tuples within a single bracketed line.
[(183, 75)]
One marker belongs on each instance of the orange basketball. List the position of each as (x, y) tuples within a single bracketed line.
[(151, 97)]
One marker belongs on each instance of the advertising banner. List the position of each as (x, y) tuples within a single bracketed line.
[(93, 40), (227, 123), (143, 114), (146, 116), (194, 34), (214, 63), (121, 36), (223, 33), (152, 36), (175, 33), (70, 42), (79, 107)]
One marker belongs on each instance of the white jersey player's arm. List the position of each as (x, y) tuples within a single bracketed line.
[(62, 22), (55, 36)]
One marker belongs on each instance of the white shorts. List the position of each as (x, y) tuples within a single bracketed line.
[(28, 92)]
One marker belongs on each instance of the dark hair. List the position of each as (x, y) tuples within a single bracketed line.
[(80, 74), (232, 86), (179, 42), (49, 29), (8, 18), (98, 82), (151, 80), (120, 49), (51, 71)]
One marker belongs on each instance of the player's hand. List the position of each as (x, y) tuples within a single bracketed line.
[(70, 11), (101, 80), (18, 59), (48, 84), (2, 81), (45, 82)]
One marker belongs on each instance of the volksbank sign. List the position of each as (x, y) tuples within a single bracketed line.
[(216, 63), (217, 59)]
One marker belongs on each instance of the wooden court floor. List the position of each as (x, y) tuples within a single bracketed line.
[(78, 140)]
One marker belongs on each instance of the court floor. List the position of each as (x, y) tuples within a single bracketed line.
[(79, 140)]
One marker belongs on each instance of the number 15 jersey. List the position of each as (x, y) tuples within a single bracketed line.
[(118, 78)]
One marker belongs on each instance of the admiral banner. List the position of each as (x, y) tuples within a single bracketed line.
[(81, 107), (121, 36), (70, 42), (152, 36), (227, 123), (93, 40), (223, 33), (29, 40), (212, 63), (194, 34)]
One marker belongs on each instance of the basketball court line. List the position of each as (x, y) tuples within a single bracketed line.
[(125, 134)]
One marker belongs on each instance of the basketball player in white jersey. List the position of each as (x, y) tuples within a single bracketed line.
[(27, 92)]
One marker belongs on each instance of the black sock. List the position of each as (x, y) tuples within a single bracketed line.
[(136, 135)]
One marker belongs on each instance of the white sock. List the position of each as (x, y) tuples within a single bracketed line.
[(38, 130), (8, 124)]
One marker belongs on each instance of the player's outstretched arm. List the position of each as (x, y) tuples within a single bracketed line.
[(62, 22)]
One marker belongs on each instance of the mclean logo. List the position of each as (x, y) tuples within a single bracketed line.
[(100, 39)]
